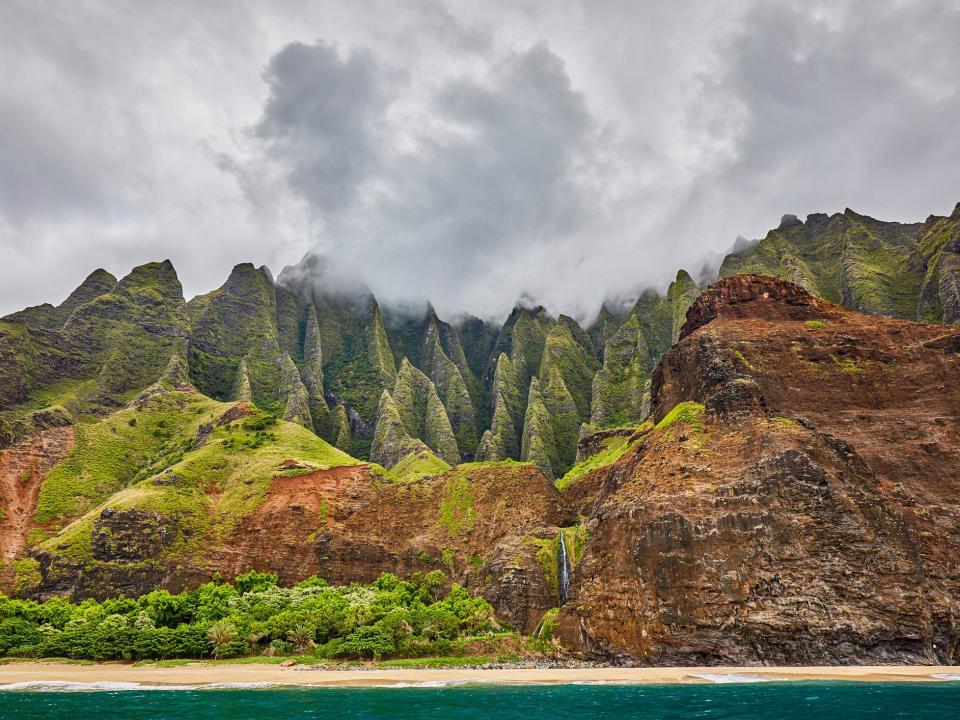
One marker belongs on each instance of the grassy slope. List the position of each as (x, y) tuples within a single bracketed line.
[(689, 414), (151, 465)]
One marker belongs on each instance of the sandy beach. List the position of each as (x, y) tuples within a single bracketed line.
[(200, 673)]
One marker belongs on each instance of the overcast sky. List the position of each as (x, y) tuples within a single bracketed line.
[(468, 152)]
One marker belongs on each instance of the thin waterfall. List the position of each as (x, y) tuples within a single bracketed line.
[(563, 570)]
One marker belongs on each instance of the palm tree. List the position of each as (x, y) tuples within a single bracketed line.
[(302, 637), (220, 634)]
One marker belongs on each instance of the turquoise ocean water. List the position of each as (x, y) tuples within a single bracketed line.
[(752, 701)]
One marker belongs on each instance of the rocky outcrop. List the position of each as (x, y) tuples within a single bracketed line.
[(794, 502), (502, 441), (550, 426), (312, 375), (776, 300), (23, 467), (412, 411), (568, 352), (451, 389)]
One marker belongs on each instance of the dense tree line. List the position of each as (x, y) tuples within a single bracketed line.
[(253, 616)]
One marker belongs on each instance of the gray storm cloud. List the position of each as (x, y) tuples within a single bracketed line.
[(467, 153)]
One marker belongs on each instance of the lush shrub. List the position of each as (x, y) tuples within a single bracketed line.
[(387, 617), (366, 642)]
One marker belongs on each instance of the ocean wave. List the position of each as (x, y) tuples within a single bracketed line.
[(111, 686), (946, 676), (431, 683), (728, 678), (603, 682)]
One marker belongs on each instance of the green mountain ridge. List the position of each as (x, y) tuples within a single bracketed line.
[(376, 381)]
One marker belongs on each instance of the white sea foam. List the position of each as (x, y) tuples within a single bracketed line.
[(107, 686), (433, 683), (604, 682), (727, 678), (946, 676)]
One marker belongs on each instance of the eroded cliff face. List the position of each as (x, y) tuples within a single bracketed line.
[(798, 500), (482, 524), (23, 467)]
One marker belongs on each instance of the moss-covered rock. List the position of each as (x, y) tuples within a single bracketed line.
[(618, 387), (680, 296), (312, 375), (487, 450), (418, 465), (452, 389), (508, 409), (422, 413), (391, 441), (241, 384), (297, 408), (851, 259), (604, 326), (565, 353), (340, 429), (539, 444), (939, 246), (523, 336), (379, 349)]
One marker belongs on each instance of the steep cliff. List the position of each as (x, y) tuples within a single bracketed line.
[(795, 500)]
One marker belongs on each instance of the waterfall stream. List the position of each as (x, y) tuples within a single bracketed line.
[(563, 570)]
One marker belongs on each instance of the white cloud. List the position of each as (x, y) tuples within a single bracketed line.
[(461, 151)]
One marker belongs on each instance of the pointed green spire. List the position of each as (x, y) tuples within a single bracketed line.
[(539, 445), (340, 428), (312, 375), (379, 349), (241, 383), (576, 364), (618, 388), (297, 407)]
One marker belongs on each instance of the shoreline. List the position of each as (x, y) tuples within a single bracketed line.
[(109, 675)]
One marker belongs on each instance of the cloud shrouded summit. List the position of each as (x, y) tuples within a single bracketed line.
[(463, 153)]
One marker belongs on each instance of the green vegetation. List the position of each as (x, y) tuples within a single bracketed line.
[(743, 360), (457, 513), (815, 324), (199, 484), (854, 260), (422, 413), (111, 454), (685, 412), (26, 574), (539, 442), (547, 625), (418, 465), (502, 441), (572, 361), (256, 617), (614, 448), (846, 364), (618, 389), (545, 553), (452, 389)]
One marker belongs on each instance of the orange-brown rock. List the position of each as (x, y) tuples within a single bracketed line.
[(348, 524), (22, 469), (477, 523), (810, 513)]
